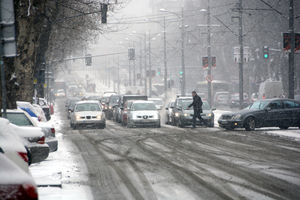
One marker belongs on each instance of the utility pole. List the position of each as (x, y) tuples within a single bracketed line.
[(134, 73), (118, 75), (241, 77), (209, 98), (129, 72), (150, 67), (292, 53), (145, 63), (141, 67), (165, 61), (182, 54)]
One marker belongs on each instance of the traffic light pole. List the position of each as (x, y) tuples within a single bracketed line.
[(241, 63), (182, 55), (209, 98), (150, 67), (165, 61), (145, 63), (291, 75)]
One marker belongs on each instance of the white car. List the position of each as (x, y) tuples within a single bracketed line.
[(22, 118), (87, 113), (143, 113), (159, 103), (13, 146)]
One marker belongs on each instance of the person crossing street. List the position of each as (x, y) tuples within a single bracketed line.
[(197, 105)]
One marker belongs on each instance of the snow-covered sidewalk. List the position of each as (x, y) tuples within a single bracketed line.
[(63, 174)]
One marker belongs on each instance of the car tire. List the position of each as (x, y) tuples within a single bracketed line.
[(250, 124), (211, 124), (283, 127), (102, 126), (158, 125), (74, 127)]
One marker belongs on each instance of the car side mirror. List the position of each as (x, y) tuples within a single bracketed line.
[(172, 107), (213, 109), (167, 108), (122, 108)]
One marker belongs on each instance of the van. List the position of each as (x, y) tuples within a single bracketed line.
[(270, 89)]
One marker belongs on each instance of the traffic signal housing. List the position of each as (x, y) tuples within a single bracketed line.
[(88, 60), (266, 52)]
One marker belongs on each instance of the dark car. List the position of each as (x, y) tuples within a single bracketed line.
[(182, 116), (113, 102), (118, 114), (282, 113)]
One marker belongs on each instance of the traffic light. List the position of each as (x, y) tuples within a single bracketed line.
[(88, 60), (181, 73), (158, 72), (266, 52), (104, 8)]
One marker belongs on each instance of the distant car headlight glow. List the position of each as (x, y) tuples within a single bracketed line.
[(209, 115), (176, 114), (185, 114), (99, 117)]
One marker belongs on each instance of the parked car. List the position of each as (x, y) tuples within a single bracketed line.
[(168, 112), (29, 108), (182, 116), (46, 107), (222, 98), (21, 118), (235, 100), (143, 113), (13, 146), (282, 113), (159, 103), (34, 140), (15, 184), (87, 113)]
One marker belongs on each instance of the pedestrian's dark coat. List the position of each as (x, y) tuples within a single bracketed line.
[(197, 103)]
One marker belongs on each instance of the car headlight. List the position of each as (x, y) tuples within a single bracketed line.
[(209, 115), (99, 117), (77, 117), (176, 114), (185, 114), (236, 117)]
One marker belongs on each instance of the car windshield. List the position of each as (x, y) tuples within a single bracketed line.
[(19, 119), (87, 107), (185, 103), (258, 105), (143, 106)]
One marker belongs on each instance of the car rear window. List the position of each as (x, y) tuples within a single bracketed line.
[(19, 119), (87, 107)]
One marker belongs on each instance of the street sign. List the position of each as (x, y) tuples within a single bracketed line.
[(8, 28), (287, 41), (35, 81), (45, 85), (237, 55)]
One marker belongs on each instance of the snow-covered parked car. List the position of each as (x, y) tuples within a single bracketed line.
[(13, 146), (34, 140), (14, 182), (21, 118), (143, 113), (87, 113)]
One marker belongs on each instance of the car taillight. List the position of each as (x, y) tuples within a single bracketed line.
[(42, 140), (30, 191), (53, 130), (23, 156)]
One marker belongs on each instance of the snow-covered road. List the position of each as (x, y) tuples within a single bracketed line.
[(175, 163)]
